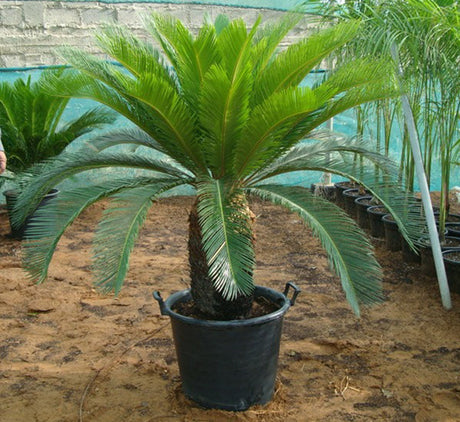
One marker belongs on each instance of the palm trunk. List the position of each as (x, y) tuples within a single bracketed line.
[(207, 299)]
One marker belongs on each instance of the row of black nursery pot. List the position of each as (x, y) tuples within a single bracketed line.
[(379, 223)]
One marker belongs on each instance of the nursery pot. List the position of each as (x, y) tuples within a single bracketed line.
[(362, 204), (340, 187), (349, 196), (450, 243), (453, 229), (452, 264), (326, 191), (11, 197), (393, 238), (228, 365), (376, 212)]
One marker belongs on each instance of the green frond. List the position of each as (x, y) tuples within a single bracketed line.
[(137, 56), (291, 67), (126, 136), (350, 253), (117, 233), (352, 160), (46, 176), (224, 111), (227, 238), (270, 122), (51, 220)]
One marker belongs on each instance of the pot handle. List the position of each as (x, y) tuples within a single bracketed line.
[(296, 292), (159, 299)]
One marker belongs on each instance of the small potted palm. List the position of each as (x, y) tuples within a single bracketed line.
[(223, 112), (33, 130)]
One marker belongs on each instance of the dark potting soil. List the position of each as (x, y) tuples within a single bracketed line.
[(451, 242), (260, 307), (454, 256)]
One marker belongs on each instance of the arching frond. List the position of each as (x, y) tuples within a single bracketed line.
[(51, 220), (66, 165), (370, 169), (350, 253), (118, 231)]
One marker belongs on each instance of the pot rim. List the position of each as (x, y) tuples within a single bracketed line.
[(276, 296)]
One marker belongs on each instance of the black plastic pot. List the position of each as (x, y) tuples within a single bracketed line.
[(362, 203), (393, 238), (453, 229), (376, 212), (228, 365), (349, 197), (326, 191), (452, 265), (340, 187), (11, 197), (428, 267)]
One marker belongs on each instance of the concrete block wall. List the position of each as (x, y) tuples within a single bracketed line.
[(31, 31)]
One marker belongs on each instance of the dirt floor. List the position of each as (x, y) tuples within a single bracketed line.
[(69, 354)]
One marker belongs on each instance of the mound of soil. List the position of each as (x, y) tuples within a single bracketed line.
[(67, 353)]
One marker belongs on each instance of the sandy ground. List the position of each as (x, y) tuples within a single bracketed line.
[(69, 354)]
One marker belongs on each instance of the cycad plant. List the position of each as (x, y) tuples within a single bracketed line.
[(223, 111), (32, 125)]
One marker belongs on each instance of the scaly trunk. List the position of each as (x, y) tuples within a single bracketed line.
[(208, 300)]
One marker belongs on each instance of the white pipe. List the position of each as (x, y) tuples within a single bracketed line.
[(326, 178), (424, 190)]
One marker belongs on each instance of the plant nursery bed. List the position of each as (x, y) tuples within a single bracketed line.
[(68, 353)]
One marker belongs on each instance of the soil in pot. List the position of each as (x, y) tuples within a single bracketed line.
[(362, 203), (11, 198), (376, 212), (393, 238), (452, 264)]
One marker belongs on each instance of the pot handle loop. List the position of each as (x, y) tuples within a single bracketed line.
[(296, 292), (159, 299)]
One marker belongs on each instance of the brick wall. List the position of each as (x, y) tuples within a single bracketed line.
[(30, 31)]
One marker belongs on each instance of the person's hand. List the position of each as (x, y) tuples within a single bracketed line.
[(2, 162)]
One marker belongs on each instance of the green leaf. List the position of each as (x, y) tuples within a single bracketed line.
[(227, 238), (350, 253)]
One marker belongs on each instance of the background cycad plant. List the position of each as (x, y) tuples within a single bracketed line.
[(32, 125), (223, 111)]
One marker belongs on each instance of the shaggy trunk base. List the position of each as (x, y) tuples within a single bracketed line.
[(207, 299)]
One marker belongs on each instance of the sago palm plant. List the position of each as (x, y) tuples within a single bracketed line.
[(31, 121), (223, 111)]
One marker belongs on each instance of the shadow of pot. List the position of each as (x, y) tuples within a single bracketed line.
[(11, 197), (228, 365)]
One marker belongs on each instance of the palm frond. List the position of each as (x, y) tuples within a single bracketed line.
[(45, 176), (223, 115), (270, 122), (290, 67), (354, 161), (118, 231), (350, 253), (51, 220), (227, 238), (126, 136)]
